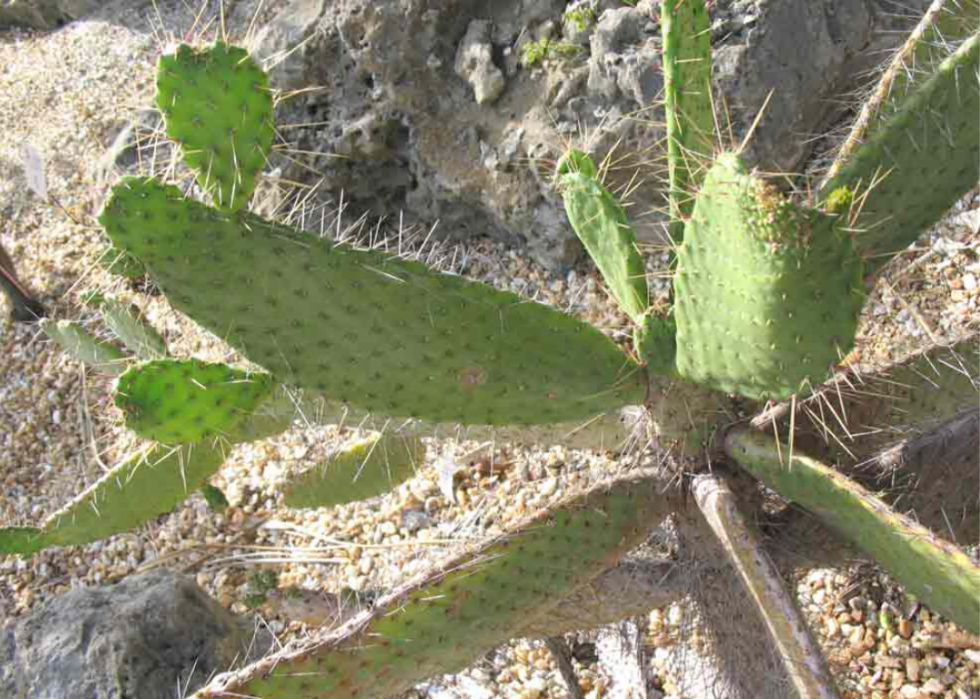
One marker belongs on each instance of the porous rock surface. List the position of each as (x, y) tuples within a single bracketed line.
[(431, 114), (149, 637)]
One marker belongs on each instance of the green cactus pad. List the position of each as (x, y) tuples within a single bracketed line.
[(214, 497), (135, 333), (369, 329), (183, 401), (475, 602), (925, 156), (937, 572), (601, 225), (217, 104), (21, 541), (656, 343), (686, 29), (82, 345), (370, 467), (768, 294), (149, 483)]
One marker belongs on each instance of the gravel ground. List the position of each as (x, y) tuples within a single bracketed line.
[(68, 93)]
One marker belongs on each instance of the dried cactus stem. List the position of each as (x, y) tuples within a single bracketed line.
[(937, 572), (802, 657)]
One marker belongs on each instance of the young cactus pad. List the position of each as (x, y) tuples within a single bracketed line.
[(479, 600), (377, 332), (767, 294), (149, 483), (370, 467), (138, 336), (217, 104), (601, 225), (183, 401), (686, 29), (82, 345)]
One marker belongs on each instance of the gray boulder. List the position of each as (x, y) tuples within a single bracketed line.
[(149, 636), (44, 14)]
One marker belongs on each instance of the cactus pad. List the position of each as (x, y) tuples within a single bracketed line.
[(183, 401), (370, 467), (767, 294), (21, 541), (601, 225), (365, 328), (135, 333), (149, 483), (80, 343), (217, 104), (476, 601), (925, 156), (686, 29)]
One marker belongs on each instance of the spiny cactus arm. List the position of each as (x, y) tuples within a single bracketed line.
[(937, 572), (138, 335), (377, 332), (944, 24), (217, 104), (180, 401), (151, 482), (102, 356), (686, 29), (602, 226), (918, 162), (370, 467), (802, 658), (442, 621), (767, 293)]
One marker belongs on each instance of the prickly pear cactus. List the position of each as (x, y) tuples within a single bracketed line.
[(365, 328), (149, 483), (480, 599), (217, 104), (601, 225), (767, 293), (183, 401), (372, 466)]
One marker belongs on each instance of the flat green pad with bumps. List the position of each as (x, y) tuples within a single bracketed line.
[(477, 601), (601, 225), (85, 347), (147, 484), (767, 294), (182, 401), (370, 467), (686, 29), (368, 329), (926, 155), (217, 104)]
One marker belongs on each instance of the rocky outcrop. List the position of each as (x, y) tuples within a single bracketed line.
[(44, 14), (151, 636), (427, 111)]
